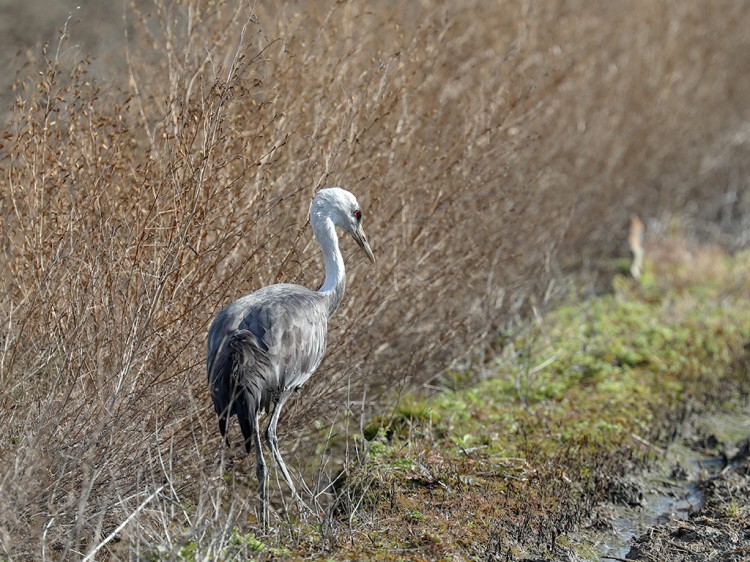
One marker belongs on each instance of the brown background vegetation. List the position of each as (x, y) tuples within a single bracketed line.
[(492, 146)]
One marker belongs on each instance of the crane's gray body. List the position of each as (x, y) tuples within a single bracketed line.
[(262, 344)]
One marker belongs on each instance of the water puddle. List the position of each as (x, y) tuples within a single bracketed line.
[(670, 490)]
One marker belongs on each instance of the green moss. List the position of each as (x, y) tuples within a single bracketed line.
[(246, 542), (520, 453), (414, 515)]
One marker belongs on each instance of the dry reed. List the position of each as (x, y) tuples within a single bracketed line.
[(491, 145)]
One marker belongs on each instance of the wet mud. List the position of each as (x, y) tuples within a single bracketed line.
[(694, 505), (717, 529)]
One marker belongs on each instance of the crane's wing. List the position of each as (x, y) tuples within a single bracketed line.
[(266, 342), (291, 335)]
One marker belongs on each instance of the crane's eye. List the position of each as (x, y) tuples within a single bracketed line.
[(357, 214)]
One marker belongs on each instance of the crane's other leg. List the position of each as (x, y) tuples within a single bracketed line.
[(260, 472), (248, 418), (273, 442)]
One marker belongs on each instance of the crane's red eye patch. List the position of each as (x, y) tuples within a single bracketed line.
[(358, 214)]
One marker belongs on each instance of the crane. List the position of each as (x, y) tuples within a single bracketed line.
[(264, 346)]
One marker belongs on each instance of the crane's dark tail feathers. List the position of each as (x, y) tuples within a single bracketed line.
[(219, 378), (223, 419), (242, 347), (235, 386)]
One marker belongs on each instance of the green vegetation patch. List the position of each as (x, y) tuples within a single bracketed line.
[(510, 463)]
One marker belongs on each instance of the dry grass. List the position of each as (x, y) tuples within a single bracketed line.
[(489, 144)]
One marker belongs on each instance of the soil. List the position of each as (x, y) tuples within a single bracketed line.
[(692, 505), (719, 529)]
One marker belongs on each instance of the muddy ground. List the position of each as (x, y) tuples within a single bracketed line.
[(693, 505), (718, 528)]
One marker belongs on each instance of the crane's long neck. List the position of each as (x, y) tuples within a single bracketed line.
[(335, 282)]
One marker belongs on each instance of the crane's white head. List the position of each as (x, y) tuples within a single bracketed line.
[(342, 209)]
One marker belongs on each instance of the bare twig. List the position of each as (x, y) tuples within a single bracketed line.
[(122, 525)]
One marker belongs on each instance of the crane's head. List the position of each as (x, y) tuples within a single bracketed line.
[(342, 208)]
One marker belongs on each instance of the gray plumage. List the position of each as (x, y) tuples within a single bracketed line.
[(268, 340), (264, 346)]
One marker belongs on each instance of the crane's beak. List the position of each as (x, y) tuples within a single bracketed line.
[(359, 236)]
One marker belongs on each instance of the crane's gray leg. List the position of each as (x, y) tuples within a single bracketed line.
[(273, 442), (260, 472)]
